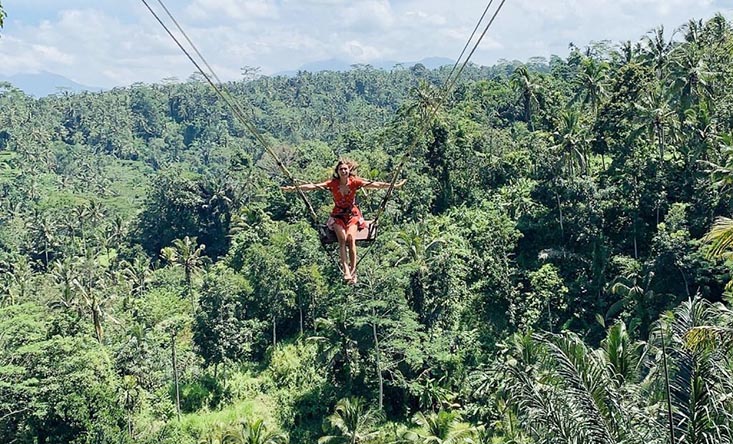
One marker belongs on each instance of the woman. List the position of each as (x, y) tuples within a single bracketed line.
[(346, 218)]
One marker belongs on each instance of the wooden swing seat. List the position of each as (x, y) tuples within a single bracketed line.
[(366, 235)]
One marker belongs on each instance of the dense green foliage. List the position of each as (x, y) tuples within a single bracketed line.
[(552, 271)]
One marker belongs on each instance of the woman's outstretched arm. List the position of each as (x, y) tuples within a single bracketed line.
[(374, 185), (306, 187)]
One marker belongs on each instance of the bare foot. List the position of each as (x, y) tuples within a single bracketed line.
[(353, 279)]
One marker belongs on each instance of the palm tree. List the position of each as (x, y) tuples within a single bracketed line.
[(572, 143), (353, 422), (689, 77), (129, 397), (115, 232), (722, 168), (90, 284), (657, 50), (590, 80), (560, 388), (629, 52), (337, 350), (720, 239), (688, 356), (442, 427), (64, 272), (621, 354), (415, 244), (18, 278), (655, 118), (44, 229), (138, 275), (254, 432), (187, 254), (524, 85), (636, 295)]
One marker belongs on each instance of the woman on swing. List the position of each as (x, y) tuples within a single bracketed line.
[(346, 218)]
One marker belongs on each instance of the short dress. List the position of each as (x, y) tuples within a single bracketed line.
[(345, 211)]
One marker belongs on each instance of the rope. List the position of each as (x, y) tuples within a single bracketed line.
[(240, 114), (448, 85), (230, 102), (468, 42), (460, 71), (434, 110)]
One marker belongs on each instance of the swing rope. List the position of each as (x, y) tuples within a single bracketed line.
[(240, 114), (425, 121), (447, 87), (233, 104)]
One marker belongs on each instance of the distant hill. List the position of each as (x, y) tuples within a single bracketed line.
[(387, 65), (44, 83)]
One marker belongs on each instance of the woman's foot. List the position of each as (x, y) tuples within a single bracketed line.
[(347, 277), (353, 279)]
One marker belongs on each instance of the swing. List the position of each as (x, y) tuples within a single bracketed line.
[(366, 235), (369, 233)]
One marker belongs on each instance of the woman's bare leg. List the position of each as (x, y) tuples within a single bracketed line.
[(351, 243), (341, 236)]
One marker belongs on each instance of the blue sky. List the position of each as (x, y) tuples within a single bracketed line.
[(114, 43)]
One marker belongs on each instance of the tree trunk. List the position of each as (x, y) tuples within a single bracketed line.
[(175, 375), (559, 210), (96, 319), (379, 365), (300, 313), (274, 331), (660, 170), (668, 389)]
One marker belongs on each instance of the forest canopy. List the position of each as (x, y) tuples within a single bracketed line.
[(555, 269)]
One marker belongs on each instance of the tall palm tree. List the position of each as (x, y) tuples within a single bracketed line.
[(689, 76), (18, 277), (90, 283), (353, 421), (572, 143), (656, 50), (591, 82), (187, 254), (138, 274), (44, 229), (415, 244), (523, 83), (655, 118), (64, 272)]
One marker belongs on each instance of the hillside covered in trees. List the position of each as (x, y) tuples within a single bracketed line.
[(555, 270)]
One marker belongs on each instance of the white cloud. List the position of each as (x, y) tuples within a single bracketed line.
[(367, 16), (107, 44), (231, 9), (360, 52), (52, 54)]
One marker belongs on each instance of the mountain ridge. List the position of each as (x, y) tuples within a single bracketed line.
[(44, 83)]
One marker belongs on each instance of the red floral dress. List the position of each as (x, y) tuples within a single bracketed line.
[(345, 212)]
